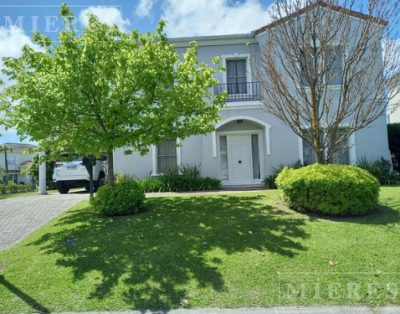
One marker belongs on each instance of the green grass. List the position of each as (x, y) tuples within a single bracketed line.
[(229, 250)]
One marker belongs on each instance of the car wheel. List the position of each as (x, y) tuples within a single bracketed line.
[(62, 188)]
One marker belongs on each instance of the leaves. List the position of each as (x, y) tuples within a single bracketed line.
[(106, 89)]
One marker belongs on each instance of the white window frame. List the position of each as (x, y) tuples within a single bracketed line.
[(351, 144), (238, 56), (330, 86), (155, 161)]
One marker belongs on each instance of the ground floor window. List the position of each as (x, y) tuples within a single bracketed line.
[(340, 156), (166, 156)]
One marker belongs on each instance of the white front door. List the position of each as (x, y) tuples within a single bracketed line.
[(239, 159)]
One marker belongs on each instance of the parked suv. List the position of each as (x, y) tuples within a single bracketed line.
[(74, 174)]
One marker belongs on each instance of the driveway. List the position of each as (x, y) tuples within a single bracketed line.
[(22, 215)]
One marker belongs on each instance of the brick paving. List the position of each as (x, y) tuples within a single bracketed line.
[(21, 216)]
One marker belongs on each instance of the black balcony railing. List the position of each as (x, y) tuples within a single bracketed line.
[(248, 91)]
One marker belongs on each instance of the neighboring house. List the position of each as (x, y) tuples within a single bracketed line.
[(12, 157), (394, 102), (248, 141)]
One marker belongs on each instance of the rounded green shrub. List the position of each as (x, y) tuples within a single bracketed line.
[(329, 189), (125, 197)]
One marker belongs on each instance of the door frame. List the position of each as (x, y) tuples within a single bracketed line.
[(261, 148)]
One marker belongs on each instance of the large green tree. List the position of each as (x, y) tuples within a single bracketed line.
[(99, 89)]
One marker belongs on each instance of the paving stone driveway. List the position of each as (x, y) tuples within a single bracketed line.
[(22, 215)]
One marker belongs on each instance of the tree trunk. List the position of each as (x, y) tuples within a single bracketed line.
[(315, 129), (110, 167)]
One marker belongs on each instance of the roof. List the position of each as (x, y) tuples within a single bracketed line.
[(214, 39), (18, 148), (326, 5)]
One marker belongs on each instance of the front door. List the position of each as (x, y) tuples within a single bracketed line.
[(239, 159)]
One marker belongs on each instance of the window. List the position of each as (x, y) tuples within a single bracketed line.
[(255, 155), (342, 152), (11, 160), (306, 65), (236, 76), (308, 153), (334, 65), (223, 149), (166, 156)]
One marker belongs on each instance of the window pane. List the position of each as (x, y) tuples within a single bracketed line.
[(223, 151), (255, 154), (342, 153), (166, 156), (305, 63), (236, 74), (335, 66), (308, 153), (231, 69)]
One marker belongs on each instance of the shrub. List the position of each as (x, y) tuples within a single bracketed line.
[(381, 169), (269, 182), (125, 197), (186, 178), (329, 189), (394, 144)]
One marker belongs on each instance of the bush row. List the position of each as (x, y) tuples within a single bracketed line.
[(380, 169), (186, 178)]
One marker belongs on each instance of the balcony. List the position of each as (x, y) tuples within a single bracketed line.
[(249, 91)]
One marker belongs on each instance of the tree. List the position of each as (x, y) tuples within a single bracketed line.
[(322, 68), (32, 169), (103, 89)]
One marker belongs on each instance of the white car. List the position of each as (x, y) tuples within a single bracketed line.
[(73, 174)]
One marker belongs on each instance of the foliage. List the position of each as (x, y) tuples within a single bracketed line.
[(394, 144), (32, 169), (186, 178), (99, 89), (330, 189), (381, 169), (3, 173), (269, 182), (125, 197)]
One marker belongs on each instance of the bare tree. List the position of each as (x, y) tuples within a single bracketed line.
[(324, 67)]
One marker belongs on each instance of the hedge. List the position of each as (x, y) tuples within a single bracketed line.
[(330, 189)]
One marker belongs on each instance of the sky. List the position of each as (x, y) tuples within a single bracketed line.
[(20, 18)]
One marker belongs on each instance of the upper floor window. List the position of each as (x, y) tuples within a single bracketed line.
[(334, 75), (236, 76), (11, 160), (306, 67), (166, 156), (332, 67)]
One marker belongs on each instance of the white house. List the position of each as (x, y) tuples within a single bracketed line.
[(248, 141)]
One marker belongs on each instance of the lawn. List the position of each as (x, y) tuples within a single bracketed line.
[(231, 250)]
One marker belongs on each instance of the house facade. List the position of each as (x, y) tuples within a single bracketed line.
[(394, 101), (248, 141), (13, 157)]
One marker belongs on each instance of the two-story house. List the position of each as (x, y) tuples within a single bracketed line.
[(248, 141), (13, 156)]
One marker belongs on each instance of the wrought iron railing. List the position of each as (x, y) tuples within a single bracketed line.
[(248, 91)]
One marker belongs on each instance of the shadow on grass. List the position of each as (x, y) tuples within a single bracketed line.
[(156, 253), (23, 296)]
